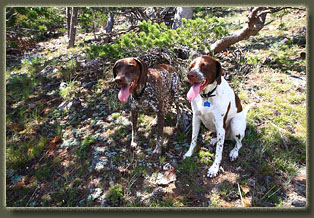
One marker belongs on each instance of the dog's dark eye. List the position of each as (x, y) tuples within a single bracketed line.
[(117, 66), (130, 67)]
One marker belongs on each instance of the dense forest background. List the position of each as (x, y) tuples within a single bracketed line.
[(67, 134)]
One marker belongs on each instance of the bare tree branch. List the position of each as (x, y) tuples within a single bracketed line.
[(276, 9), (254, 25), (9, 11), (256, 22)]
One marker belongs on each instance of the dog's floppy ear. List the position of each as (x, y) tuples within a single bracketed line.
[(144, 69), (114, 69), (218, 72)]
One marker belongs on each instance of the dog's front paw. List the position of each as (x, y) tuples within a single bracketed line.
[(212, 171), (234, 153), (133, 144), (187, 154)]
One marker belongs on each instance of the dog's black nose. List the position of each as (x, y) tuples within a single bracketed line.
[(119, 80), (191, 76)]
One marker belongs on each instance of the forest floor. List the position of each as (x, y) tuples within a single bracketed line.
[(68, 135)]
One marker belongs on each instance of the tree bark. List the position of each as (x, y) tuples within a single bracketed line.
[(73, 26), (181, 12), (256, 22), (9, 11), (110, 22), (140, 13), (94, 31), (68, 18)]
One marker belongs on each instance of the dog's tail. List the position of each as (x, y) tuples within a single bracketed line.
[(247, 108)]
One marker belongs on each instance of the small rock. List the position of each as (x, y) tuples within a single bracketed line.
[(300, 177), (299, 203), (267, 60), (55, 71), (301, 189), (123, 121), (251, 182), (174, 162), (104, 202), (100, 165), (157, 193), (178, 147), (31, 106), (46, 71), (65, 104), (96, 194), (92, 123), (268, 179), (99, 151), (165, 178), (100, 123), (303, 55), (148, 150)]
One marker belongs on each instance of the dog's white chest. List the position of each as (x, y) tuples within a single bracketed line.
[(206, 112), (207, 120)]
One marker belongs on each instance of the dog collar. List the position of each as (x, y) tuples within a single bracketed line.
[(209, 94), (136, 97)]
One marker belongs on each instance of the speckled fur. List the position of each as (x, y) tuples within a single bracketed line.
[(160, 85), (160, 91)]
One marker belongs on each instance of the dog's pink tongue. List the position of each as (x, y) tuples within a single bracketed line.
[(193, 92), (124, 94)]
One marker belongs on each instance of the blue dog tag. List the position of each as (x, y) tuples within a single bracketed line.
[(206, 104)]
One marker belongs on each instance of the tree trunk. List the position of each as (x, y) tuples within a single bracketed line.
[(110, 22), (181, 12), (73, 26), (68, 18), (94, 26)]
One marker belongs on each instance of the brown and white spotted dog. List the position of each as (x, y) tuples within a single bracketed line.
[(152, 90), (216, 106)]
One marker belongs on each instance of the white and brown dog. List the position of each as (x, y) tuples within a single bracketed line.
[(215, 105)]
